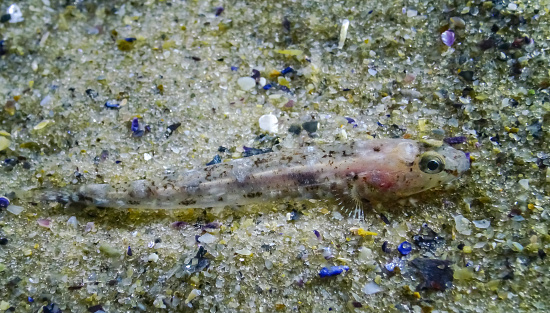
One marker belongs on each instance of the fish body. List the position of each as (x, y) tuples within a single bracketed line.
[(361, 171)]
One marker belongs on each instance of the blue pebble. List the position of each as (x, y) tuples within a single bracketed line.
[(112, 105), (31, 300), (390, 267), (129, 252), (267, 87), (135, 124), (4, 202), (332, 271), (287, 70), (405, 248), (217, 159), (284, 88), (234, 68), (130, 39)]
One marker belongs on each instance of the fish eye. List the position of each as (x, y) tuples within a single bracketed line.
[(431, 163)]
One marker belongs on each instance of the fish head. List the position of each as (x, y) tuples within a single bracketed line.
[(410, 167)]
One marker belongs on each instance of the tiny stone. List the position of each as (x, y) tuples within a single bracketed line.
[(4, 202), (371, 288), (269, 123), (524, 183), (15, 14), (208, 238), (246, 83), (15, 209), (4, 143), (153, 257), (3, 241), (4, 18), (311, 127), (467, 75), (457, 21), (482, 224), (462, 225), (72, 222), (412, 13)]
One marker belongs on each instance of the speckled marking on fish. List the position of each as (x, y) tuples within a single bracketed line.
[(359, 172)]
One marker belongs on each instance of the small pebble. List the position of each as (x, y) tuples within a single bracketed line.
[(246, 83), (467, 75), (457, 21), (311, 127), (192, 295), (207, 238), (448, 37), (267, 87), (15, 209), (3, 241), (15, 14), (405, 248), (129, 251), (72, 222), (524, 183), (269, 123), (216, 160), (333, 271), (135, 124), (4, 202), (482, 224), (371, 288), (153, 257), (343, 33), (45, 222), (4, 143)]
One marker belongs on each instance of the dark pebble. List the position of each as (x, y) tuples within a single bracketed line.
[(112, 105), (222, 149), (286, 24), (217, 159), (385, 248), (437, 274), (254, 151), (542, 254), (3, 241), (356, 304), (504, 46), (129, 251), (311, 127), (51, 308), (495, 28), (92, 93), (467, 75), (172, 128), (455, 140), (95, 308), (460, 246), (4, 18), (256, 75), (486, 44), (219, 11), (295, 129), (287, 70), (130, 39)]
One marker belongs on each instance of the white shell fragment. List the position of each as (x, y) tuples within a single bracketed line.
[(246, 83), (192, 295), (15, 14), (343, 33), (371, 288), (269, 123)]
